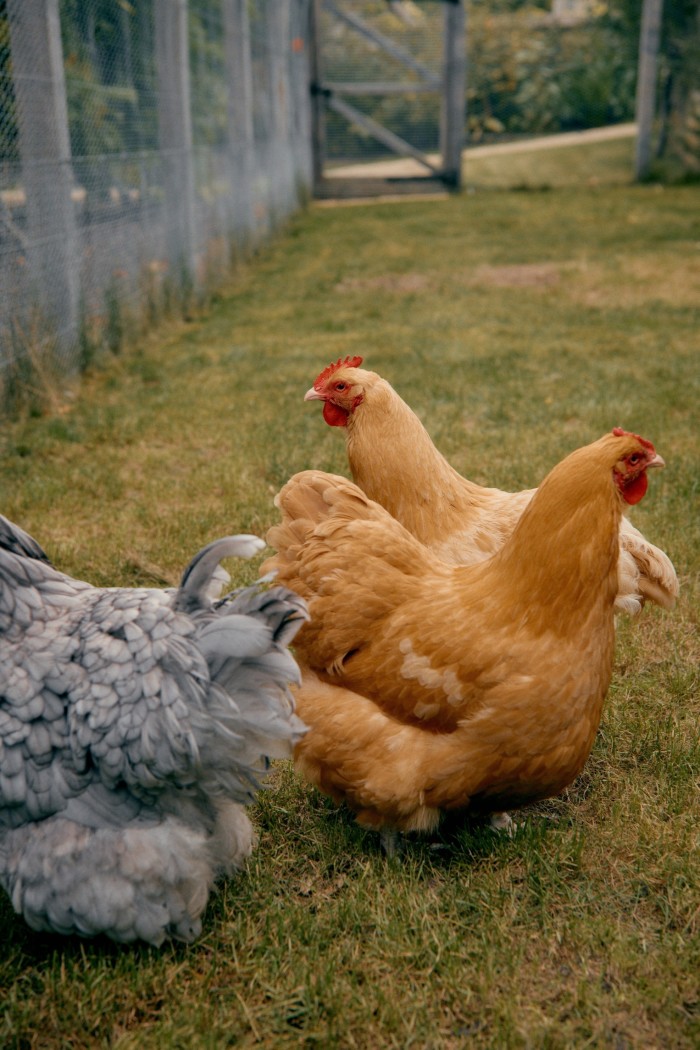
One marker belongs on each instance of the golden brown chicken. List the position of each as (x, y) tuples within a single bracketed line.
[(394, 461), (431, 687)]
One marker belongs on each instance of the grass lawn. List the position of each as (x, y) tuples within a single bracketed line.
[(571, 165), (519, 325)]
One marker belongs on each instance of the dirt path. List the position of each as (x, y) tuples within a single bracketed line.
[(406, 167)]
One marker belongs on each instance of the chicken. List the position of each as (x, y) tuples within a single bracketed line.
[(430, 687), (394, 461), (135, 726)]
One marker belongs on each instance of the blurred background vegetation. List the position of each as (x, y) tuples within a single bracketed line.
[(533, 67)]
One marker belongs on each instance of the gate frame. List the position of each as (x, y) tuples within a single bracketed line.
[(450, 84)]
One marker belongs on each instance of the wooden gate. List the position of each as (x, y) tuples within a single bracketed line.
[(352, 38)]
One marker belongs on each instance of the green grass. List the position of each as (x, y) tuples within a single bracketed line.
[(576, 164), (519, 325)]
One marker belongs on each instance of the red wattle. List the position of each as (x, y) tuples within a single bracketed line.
[(336, 416), (634, 490)]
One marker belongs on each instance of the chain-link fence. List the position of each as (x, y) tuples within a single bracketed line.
[(387, 61), (532, 69), (143, 145)]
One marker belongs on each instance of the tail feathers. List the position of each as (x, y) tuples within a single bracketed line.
[(660, 593), (219, 579), (233, 637), (313, 496), (138, 883), (268, 720), (281, 609), (327, 522), (309, 499), (194, 591), (287, 539), (303, 496), (251, 671), (657, 580), (247, 726), (17, 541), (276, 669)]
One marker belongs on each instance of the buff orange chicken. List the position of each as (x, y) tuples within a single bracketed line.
[(431, 687)]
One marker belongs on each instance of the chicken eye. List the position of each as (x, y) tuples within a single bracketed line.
[(340, 386), (634, 459)]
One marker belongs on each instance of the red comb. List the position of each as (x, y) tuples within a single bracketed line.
[(349, 362), (619, 432)]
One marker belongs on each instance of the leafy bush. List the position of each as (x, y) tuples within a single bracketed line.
[(528, 75)]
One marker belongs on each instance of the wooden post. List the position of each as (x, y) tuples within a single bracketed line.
[(175, 126), (47, 175), (453, 96), (646, 84)]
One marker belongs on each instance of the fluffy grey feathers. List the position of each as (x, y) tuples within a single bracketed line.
[(134, 726), (14, 539)]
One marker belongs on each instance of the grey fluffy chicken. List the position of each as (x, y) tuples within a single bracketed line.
[(135, 726)]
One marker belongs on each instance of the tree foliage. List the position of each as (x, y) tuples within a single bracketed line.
[(529, 74)]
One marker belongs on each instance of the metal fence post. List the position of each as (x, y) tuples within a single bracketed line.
[(318, 106), (44, 147), (239, 107), (646, 84), (175, 126), (280, 94), (453, 96)]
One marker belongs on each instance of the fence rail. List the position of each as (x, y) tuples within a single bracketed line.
[(142, 147)]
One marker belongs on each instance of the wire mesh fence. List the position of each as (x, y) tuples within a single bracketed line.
[(532, 69), (387, 59), (142, 147), (144, 144)]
